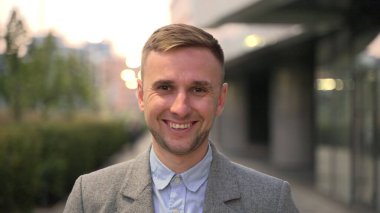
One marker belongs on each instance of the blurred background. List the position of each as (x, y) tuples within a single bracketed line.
[(303, 104)]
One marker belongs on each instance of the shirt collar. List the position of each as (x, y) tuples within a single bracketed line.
[(198, 174), (161, 175), (192, 178)]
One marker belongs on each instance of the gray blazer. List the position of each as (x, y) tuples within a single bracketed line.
[(127, 187)]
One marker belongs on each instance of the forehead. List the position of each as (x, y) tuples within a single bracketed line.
[(187, 60)]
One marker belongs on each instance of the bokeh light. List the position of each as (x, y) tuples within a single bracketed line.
[(129, 76)]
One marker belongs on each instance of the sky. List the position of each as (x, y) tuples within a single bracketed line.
[(125, 23)]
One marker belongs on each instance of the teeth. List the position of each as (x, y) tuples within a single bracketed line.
[(179, 126)]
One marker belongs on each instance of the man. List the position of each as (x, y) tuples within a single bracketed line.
[(181, 91)]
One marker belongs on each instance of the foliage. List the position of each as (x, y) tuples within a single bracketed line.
[(11, 88), (39, 163), (16, 35), (61, 80), (49, 77)]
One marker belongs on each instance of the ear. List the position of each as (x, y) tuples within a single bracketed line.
[(140, 94), (222, 99)]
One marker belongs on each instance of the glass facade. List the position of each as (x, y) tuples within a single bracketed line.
[(333, 116), (347, 121), (366, 125)]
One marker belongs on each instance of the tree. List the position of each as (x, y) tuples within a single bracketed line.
[(48, 77), (11, 79), (61, 78)]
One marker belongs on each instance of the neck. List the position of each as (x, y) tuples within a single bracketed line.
[(180, 163)]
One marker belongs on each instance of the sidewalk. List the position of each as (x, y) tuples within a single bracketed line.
[(307, 199)]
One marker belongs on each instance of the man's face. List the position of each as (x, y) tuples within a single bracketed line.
[(181, 94)]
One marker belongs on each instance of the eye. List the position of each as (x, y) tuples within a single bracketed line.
[(199, 90), (163, 87)]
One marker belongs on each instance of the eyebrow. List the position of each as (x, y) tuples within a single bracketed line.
[(161, 82), (194, 83), (202, 83)]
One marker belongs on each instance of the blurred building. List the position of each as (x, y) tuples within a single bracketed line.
[(113, 96), (304, 87)]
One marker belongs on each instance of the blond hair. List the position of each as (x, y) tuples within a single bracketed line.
[(176, 36)]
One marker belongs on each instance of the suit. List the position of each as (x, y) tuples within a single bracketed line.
[(127, 187)]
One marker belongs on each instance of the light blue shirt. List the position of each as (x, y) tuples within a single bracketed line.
[(179, 193)]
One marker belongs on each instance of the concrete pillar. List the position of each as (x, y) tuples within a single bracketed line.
[(230, 130), (291, 117)]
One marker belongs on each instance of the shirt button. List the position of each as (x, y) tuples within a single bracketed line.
[(177, 180), (175, 211)]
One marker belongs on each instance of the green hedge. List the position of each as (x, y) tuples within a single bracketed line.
[(39, 163)]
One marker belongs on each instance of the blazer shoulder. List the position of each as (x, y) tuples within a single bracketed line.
[(109, 173), (107, 190), (105, 182), (271, 193), (97, 190), (247, 174)]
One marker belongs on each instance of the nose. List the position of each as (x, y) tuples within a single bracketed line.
[(180, 105)]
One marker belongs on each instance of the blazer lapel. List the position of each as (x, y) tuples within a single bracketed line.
[(137, 189), (222, 194)]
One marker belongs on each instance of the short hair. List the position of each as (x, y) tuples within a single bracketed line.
[(175, 36)]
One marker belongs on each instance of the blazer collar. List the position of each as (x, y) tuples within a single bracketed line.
[(222, 194), (137, 188)]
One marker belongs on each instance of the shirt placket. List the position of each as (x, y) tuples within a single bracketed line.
[(177, 195)]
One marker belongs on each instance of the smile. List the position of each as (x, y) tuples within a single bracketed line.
[(179, 126)]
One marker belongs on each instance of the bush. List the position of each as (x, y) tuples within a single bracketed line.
[(39, 163)]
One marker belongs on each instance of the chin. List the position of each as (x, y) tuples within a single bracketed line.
[(179, 146), (180, 149)]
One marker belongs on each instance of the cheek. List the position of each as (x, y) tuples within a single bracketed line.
[(154, 104), (207, 108)]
